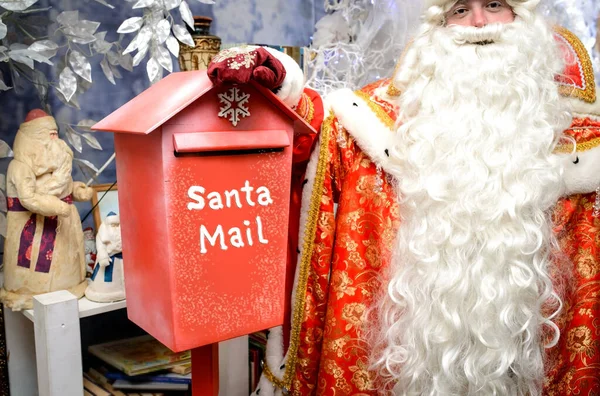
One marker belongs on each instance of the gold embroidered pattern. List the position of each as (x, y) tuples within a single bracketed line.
[(309, 236), (589, 94), (376, 108), (568, 148)]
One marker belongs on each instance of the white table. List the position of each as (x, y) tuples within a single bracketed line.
[(52, 329), (55, 333)]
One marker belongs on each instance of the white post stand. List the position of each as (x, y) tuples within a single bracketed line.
[(21, 351), (58, 344)]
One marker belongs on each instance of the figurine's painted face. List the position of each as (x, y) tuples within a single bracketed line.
[(53, 134), (479, 13)]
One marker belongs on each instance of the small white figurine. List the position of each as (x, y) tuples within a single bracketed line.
[(89, 244), (107, 283)]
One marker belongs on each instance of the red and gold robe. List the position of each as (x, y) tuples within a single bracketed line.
[(574, 364), (348, 224)]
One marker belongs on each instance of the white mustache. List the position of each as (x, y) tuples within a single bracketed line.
[(474, 35)]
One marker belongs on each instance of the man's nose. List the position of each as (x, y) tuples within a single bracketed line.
[(479, 18)]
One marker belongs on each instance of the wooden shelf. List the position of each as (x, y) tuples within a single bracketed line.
[(87, 308)]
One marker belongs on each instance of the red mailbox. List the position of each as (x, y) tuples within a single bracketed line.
[(204, 186)]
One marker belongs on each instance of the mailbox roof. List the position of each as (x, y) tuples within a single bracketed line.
[(165, 99)]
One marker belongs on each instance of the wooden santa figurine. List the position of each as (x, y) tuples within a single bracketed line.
[(107, 283), (43, 251)]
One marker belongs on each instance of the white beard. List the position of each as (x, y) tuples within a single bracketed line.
[(463, 312)]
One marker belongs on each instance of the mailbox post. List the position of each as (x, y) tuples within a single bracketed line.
[(204, 178)]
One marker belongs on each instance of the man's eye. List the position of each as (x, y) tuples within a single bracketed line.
[(495, 4), (460, 11)]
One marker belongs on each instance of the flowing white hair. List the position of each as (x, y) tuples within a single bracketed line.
[(463, 313)]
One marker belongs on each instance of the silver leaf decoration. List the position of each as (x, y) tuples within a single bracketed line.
[(3, 225), (126, 62), (5, 150), (86, 163), (170, 4), (173, 46), (3, 86), (68, 17), (3, 30), (186, 14), (3, 54), (80, 65), (158, 77), (18, 46), (131, 25), (152, 68), (163, 30), (92, 141), (67, 83), (100, 35), (112, 57), (17, 56), (116, 72), (74, 139), (143, 39), (3, 207), (107, 71), (143, 3), (105, 3), (41, 84), (48, 48), (101, 45), (182, 35), (86, 124), (139, 56), (207, 1), (132, 45), (164, 58), (72, 103), (29, 54), (17, 5), (2, 182), (82, 32)]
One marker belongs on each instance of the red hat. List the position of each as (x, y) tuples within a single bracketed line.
[(35, 113)]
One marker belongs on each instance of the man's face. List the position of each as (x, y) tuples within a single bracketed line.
[(479, 13)]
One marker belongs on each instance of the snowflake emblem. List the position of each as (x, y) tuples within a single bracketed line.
[(235, 105)]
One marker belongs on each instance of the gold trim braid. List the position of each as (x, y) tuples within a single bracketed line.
[(585, 146), (307, 252), (589, 94), (377, 109)]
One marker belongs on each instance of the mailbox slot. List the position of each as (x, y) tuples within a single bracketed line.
[(230, 142)]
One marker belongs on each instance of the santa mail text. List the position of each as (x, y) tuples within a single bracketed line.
[(229, 199)]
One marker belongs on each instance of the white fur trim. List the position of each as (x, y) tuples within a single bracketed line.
[(583, 177), (579, 107), (370, 133), (293, 83)]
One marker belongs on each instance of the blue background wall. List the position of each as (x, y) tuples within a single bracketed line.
[(276, 22)]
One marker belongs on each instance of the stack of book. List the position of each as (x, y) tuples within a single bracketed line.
[(141, 365)]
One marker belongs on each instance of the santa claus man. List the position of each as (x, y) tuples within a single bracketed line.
[(480, 116), (443, 180)]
